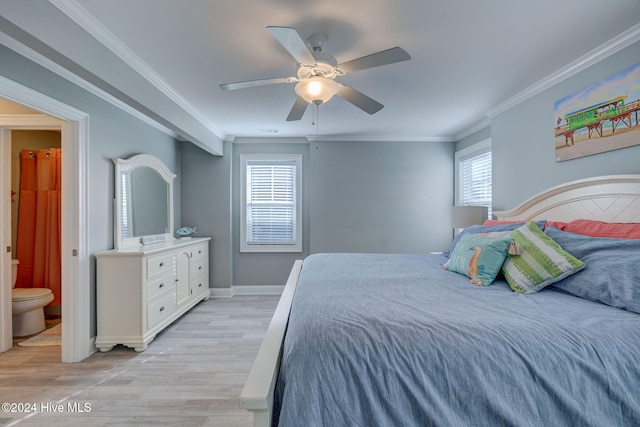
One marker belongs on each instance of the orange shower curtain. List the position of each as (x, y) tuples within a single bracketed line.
[(38, 245)]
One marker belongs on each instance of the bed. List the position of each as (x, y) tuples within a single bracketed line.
[(396, 339)]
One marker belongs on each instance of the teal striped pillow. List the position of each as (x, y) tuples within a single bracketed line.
[(541, 261)]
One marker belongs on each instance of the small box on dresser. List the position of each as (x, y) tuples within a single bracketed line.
[(143, 289)]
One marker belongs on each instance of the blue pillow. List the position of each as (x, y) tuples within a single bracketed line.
[(479, 229), (479, 257), (611, 274)]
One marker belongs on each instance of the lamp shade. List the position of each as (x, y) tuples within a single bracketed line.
[(317, 89), (465, 216)]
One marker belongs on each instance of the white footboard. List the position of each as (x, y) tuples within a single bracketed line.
[(257, 394)]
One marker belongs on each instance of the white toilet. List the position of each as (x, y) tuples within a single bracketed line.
[(27, 306)]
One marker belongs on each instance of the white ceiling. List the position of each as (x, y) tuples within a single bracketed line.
[(468, 57)]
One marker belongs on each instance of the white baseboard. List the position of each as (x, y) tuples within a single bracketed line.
[(258, 290), (247, 290), (221, 292)]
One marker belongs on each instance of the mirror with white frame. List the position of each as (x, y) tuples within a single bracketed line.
[(144, 201)]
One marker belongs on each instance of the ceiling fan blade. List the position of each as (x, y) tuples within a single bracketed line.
[(299, 107), (293, 43), (261, 82), (359, 99), (389, 56)]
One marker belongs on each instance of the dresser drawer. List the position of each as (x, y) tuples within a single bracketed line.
[(199, 283), (200, 251), (198, 266), (161, 284), (159, 264), (160, 309)]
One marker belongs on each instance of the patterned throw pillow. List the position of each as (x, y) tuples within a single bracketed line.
[(478, 257), (541, 261), (481, 229)]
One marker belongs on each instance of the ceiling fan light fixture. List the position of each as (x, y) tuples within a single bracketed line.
[(317, 89), (317, 70)]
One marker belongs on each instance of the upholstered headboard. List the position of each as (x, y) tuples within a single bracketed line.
[(613, 198)]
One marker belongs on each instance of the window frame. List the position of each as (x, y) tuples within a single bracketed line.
[(273, 159), (476, 149)]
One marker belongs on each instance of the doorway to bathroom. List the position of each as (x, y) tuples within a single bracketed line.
[(36, 157), (73, 127)]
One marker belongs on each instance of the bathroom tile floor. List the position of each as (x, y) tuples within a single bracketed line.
[(191, 374)]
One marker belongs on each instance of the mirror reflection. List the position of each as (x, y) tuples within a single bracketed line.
[(145, 209), (144, 201)]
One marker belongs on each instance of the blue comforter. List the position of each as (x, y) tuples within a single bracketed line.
[(395, 340)]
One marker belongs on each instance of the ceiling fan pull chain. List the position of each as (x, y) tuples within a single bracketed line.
[(317, 120)]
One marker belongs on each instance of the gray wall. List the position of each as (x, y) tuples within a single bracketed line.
[(206, 196), (474, 138), (112, 133), (357, 196), (523, 140), (381, 196), (250, 268), (211, 198)]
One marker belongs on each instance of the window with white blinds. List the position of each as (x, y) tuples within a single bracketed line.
[(271, 220), (125, 190), (474, 176)]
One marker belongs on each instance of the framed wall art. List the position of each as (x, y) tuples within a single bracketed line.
[(599, 118)]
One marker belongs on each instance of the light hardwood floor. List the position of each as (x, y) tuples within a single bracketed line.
[(191, 374)]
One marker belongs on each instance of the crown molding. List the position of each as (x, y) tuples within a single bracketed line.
[(50, 65), (605, 50), (473, 129), (270, 140), (15, 92), (374, 138), (85, 20)]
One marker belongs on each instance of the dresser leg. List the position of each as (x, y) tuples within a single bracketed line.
[(141, 348)]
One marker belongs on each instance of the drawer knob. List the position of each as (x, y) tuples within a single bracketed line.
[(162, 308), (161, 285), (162, 264), (199, 285), (200, 268), (200, 251)]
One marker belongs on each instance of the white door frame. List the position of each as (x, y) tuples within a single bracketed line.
[(77, 343)]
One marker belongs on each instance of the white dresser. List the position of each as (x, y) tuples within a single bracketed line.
[(142, 289)]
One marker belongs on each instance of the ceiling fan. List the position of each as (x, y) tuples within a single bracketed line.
[(317, 71)]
